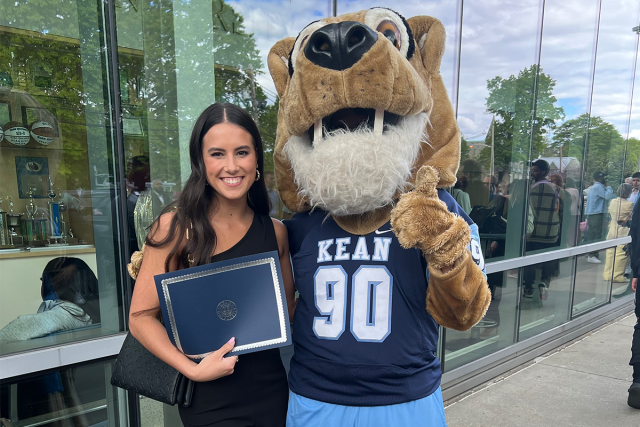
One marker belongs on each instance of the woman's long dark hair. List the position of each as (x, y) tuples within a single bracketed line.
[(198, 198), (72, 280)]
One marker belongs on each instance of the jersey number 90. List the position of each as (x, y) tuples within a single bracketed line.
[(371, 289)]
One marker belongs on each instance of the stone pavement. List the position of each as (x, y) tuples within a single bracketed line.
[(583, 383)]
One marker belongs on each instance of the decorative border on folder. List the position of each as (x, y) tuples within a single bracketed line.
[(276, 287)]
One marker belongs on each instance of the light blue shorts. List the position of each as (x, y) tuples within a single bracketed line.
[(425, 412)]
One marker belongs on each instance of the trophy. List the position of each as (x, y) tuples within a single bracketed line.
[(31, 208), (54, 217), (13, 222), (62, 208), (33, 229), (5, 242)]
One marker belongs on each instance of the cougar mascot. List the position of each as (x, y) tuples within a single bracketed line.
[(381, 254)]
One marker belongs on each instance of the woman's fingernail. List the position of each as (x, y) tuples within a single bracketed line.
[(232, 340)]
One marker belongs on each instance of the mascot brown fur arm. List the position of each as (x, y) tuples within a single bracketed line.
[(457, 296)]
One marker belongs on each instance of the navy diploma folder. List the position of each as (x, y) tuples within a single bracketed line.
[(203, 307)]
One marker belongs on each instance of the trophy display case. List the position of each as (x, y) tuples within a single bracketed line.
[(31, 166)]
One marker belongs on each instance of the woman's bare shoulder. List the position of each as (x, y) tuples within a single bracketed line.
[(279, 227)]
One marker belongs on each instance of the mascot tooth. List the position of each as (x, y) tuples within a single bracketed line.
[(366, 139)]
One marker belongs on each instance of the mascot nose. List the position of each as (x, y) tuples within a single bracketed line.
[(339, 46)]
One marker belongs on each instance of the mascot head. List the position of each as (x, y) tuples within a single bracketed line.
[(362, 108)]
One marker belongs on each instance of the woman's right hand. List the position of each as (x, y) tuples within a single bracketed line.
[(215, 365)]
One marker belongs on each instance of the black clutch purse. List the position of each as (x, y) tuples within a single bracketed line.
[(138, 370)]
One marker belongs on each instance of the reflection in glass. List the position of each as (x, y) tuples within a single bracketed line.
[(190, 55), (496, 117), (598, 197), (608, 119), (546, 306), (495, 331), (70, 302), (591, 289), (617, 258), (56, 170), (566, 55), (71, 397), (547, 204)]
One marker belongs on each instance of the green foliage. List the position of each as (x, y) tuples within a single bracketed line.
[(268, 126), (631, 160), (236, 61), (464, 150), (605, 146), (511, 101), (62, 97)]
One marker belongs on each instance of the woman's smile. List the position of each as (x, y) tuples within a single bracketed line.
[(232, 181)]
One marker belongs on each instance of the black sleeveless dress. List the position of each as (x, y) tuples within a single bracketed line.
[(257, 392)]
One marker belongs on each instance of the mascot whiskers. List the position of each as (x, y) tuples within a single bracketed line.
[(366, 141)]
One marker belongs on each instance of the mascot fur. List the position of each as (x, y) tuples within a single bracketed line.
[(366, 136)]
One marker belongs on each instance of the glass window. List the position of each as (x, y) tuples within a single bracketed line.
[(176, 58), (633, 135), (622, 276), (592, 285), (189, 55), (76, 396), (495, 110), (494, 332), (605, 167), (562, 103), (546, 293), (59, 247)]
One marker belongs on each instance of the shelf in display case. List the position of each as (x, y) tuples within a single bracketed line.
[(44, 147), (46, 251)]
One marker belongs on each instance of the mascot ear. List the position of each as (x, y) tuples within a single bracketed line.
[(278, 61), (430, 37), (443, 150)]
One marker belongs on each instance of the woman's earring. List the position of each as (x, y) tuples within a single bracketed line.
[(257, 175)]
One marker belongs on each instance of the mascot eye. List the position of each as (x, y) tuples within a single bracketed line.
[(390, 30)]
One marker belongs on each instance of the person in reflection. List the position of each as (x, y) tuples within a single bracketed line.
[(597, 199), (69, 301), (274, 198), (564, 210), (620, 210), (159, 198), (225, 206), (635, 182), (574, 210), (460, 195), (634, 390), (137, 177), (545, 203), (477, 190)]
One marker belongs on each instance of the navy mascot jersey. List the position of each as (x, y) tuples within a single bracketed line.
[(362, 334)]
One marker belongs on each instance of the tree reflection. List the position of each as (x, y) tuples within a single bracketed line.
[(520, 116)]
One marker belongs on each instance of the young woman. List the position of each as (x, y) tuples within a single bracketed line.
[(69, 301), (224, 207), (620, 211)]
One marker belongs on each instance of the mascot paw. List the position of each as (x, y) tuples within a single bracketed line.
[(136, 262), (422, 220)]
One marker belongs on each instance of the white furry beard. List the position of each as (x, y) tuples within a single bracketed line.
[(353, 172)]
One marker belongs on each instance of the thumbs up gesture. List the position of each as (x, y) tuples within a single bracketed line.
[(422, 220)]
